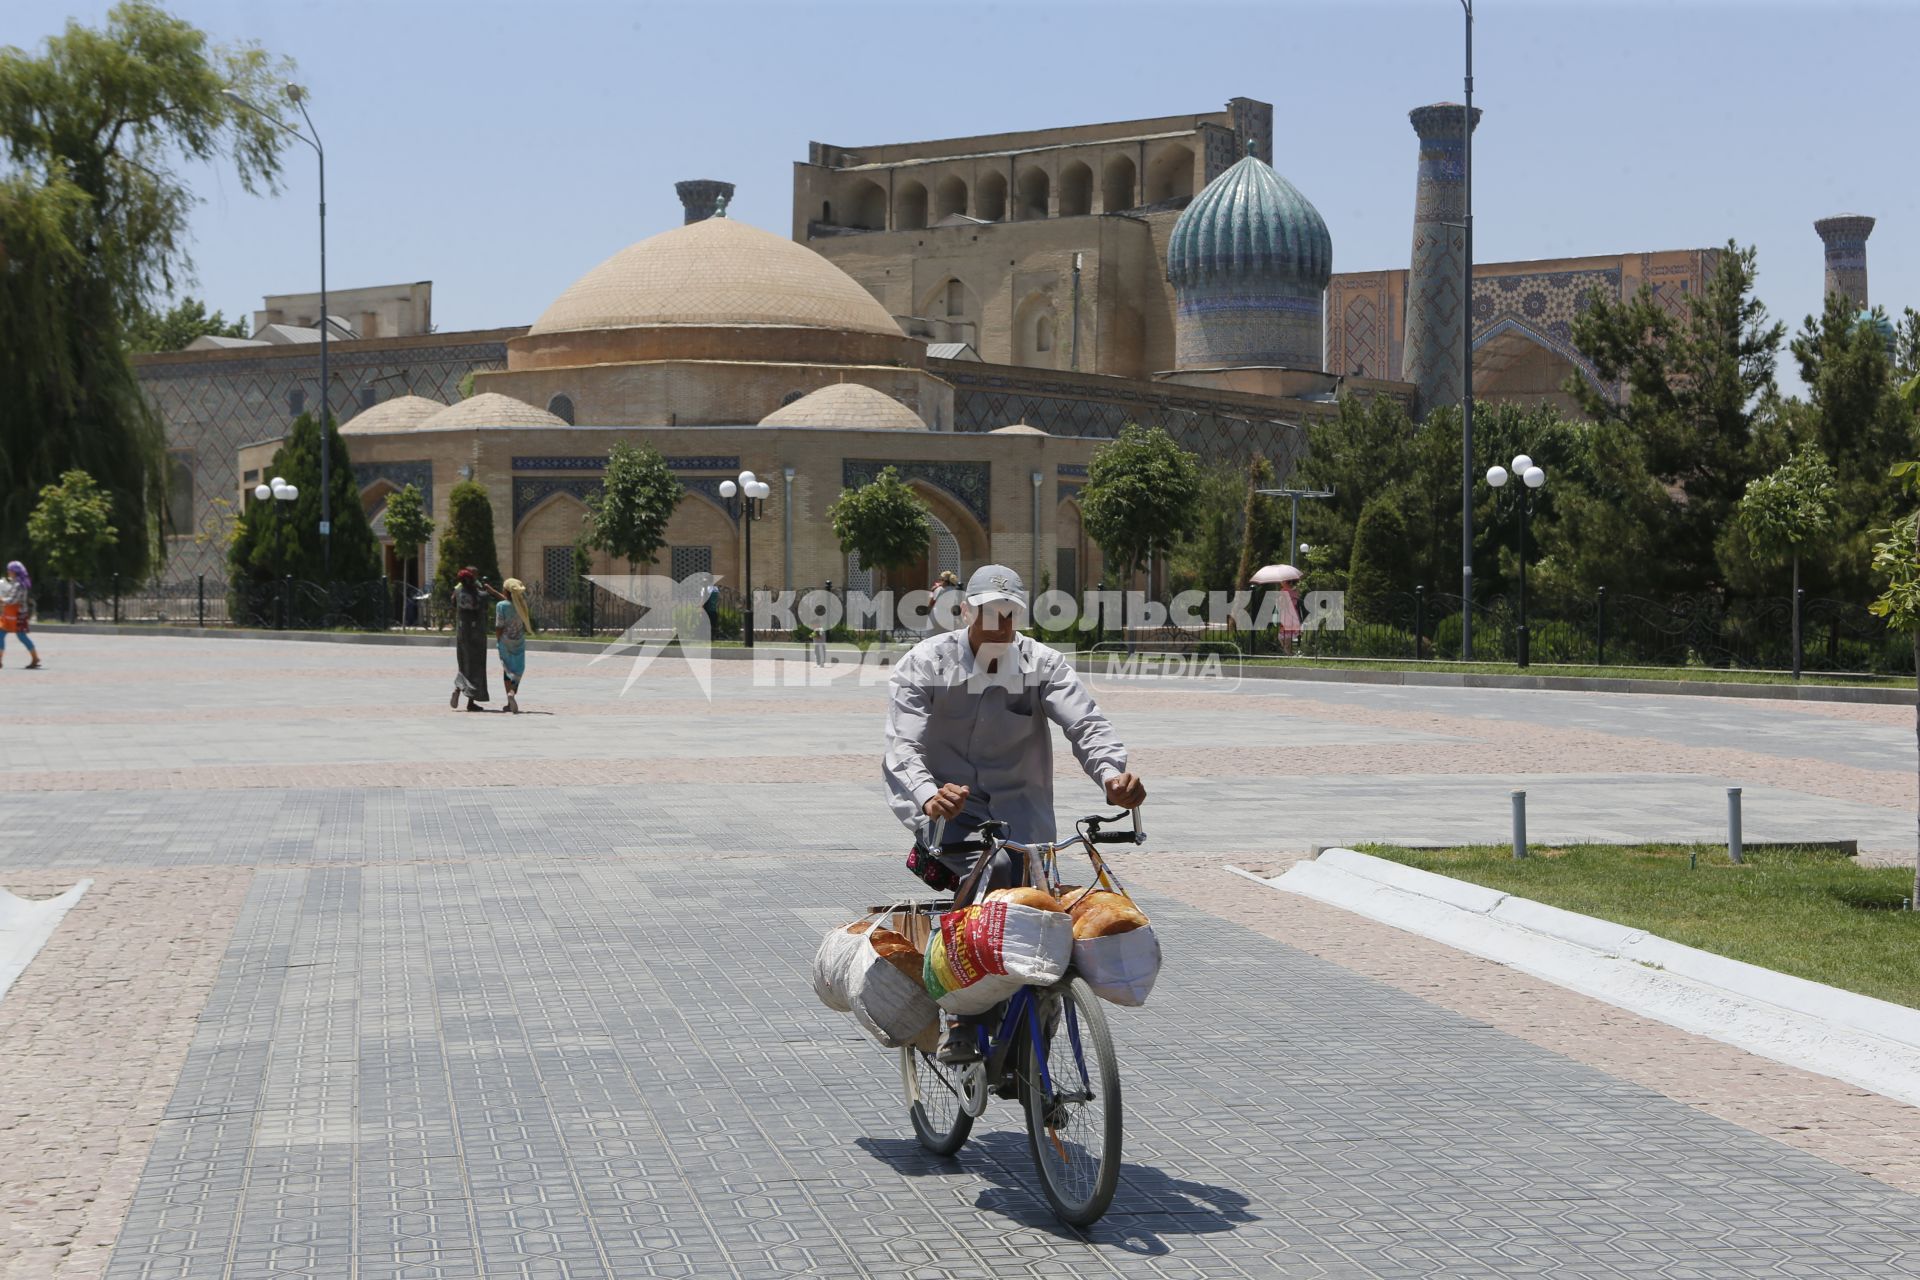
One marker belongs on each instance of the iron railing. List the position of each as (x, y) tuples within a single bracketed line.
[(1605, 629)]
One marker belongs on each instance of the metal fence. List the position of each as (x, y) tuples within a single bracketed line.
[(1609, 629), (1606, 629), (578, 608)]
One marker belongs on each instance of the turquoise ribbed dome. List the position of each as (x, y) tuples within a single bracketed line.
[(1878, 322), (1250, 222)]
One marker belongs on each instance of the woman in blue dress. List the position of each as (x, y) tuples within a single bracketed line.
[(511, 627)]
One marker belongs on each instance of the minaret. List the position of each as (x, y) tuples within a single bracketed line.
[(703, 197), (1845, 236), (1437, 313)]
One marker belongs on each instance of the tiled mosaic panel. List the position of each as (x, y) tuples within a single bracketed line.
[(213, 407)]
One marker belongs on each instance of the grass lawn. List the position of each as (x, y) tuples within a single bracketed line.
[(1812, 913)]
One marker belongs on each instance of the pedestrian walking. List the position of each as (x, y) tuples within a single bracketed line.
[(469, 641), (512, 624), (16, 611), (710, 605), (943, 609)]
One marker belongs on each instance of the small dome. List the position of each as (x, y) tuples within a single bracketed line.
[(716, 272), (402, 413), (1878, 322), (490, 409), (1250, 221), (1016, 429), (846, 404)]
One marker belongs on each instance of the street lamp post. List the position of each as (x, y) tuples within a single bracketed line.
[(278, 490), (1532, 477), (1466, 362), (745, 498), (298, 96)]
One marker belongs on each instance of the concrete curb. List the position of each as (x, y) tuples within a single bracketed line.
[(25, 926), (1867, 1042), (1879, 694)]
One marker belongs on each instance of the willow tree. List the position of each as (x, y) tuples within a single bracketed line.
[(93, 231)]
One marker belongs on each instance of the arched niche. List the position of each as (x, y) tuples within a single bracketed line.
[(949, 197), (990, 197), (866, 205), (552, 524), (1515, 362), (1036, 333), (1117, 183), (909, 206), (1076, 190), (1170, 173), (1034, 190)]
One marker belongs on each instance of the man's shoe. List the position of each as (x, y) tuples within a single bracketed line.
[(959, 1044)]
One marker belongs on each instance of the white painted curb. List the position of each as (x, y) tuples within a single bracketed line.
[(1872, 1043), (25, 926)]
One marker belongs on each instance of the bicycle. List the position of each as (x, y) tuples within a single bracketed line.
[(1073, 1125)]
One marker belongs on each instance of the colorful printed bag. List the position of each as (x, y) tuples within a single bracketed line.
[(983, 954)]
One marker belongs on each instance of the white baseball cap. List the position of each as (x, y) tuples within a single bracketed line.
[(992, 582)]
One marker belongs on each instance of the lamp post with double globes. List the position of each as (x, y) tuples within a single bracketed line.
[(745, 501), (297, 95), (278, 490), (1532, 477)]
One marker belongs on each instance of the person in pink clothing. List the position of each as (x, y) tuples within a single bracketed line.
[(16, 611)]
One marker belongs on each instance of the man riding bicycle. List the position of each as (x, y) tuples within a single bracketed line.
[(967, 742)]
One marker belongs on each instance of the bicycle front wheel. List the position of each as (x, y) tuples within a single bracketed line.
[(934, 1090), (1073, 1106)]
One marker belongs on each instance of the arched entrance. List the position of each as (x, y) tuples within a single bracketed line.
[(1517, 363)]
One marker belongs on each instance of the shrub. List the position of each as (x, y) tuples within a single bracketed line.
[(1377, 640), (1554, 641)]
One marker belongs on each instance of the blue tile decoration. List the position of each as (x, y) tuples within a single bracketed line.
[(530, 491)]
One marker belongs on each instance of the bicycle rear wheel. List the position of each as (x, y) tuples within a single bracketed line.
[(934, 1092), (1073, 1114)]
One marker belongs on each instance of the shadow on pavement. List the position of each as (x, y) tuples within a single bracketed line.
[(1148, 1206)]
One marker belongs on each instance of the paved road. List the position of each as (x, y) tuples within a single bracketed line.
[(371, 988)]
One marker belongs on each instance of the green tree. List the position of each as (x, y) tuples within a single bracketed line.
[(1142, 496), (1783, 515), (282, 539), (468, 540), (1207, 560), (579, 610), (883, 522), (1694, 383), (174, 328), (409, 525), (629, 515), (1896, 558), (1260, 525), (94, 216), (1906, 343), (1379, 569), (72, 528), (1856, 415)]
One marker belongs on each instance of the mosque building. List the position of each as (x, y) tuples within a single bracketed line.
[(978, 313)]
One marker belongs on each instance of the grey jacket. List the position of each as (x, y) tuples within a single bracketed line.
[(949, 721)]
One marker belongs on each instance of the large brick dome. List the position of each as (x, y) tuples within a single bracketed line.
[(716, 273)]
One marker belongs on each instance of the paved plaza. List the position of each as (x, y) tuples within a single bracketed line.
[(370, 988)]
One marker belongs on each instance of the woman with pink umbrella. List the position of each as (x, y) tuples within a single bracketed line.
[(1287, 578)]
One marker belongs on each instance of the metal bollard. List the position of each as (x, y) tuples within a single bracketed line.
[(1519, 825), (1735, 850)]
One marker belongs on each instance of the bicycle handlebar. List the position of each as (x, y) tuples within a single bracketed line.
[(1094, 835)]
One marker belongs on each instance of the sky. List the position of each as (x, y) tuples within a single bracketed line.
[(503, 149)]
